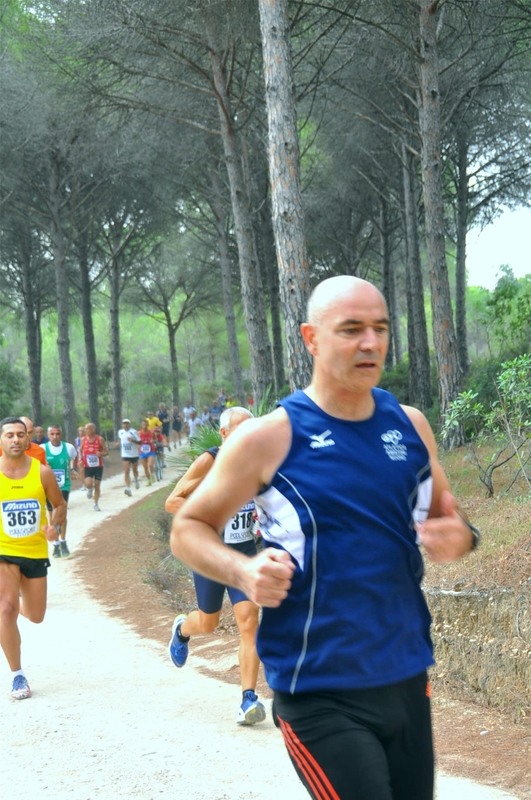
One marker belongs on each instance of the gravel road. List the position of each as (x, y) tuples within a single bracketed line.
[(111, 717)]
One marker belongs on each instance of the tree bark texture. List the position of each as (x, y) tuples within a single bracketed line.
[(420, 392), (284, 172), (88, 330), (448, 369), (226, 288), (172, 331), (267, 237), (460, 256), (116, 373), (251, 282), (64, 366), (387, 289), (31, 326)]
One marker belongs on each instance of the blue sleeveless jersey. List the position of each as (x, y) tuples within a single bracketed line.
[(344, 504)]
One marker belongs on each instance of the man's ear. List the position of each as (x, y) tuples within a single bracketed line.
[(309, 334)]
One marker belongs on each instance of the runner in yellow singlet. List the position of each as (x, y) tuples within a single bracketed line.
[(24, 535)]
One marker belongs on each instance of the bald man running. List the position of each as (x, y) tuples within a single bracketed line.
[(348, 485)]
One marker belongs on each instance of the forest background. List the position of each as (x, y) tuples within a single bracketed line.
[(175, 177)]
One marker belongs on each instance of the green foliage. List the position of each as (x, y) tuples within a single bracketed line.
[(465, 410), (396, 381), (155, 383), (514, 389), (11, 384), (507, 419), (266, 405), (482, 379), (508, 313)]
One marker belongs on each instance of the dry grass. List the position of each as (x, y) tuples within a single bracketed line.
[(481, 605)]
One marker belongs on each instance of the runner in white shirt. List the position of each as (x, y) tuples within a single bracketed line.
[(128, 440), (187, 413), (193, 424)]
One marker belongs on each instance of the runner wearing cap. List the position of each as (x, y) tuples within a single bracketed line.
[(128, 441)]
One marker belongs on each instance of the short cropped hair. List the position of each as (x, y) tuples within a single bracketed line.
[(226, 416), (11, 421)]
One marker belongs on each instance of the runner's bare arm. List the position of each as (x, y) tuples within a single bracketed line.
[(188, 482), (246, 462), (55, 496), (445, 534), (103, 447)]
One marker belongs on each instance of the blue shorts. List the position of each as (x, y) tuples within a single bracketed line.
[(143, 456), (210, 593)]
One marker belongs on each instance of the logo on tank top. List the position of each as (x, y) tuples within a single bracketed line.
[(392, 446), (321, 440)]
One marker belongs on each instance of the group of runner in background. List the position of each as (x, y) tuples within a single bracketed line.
[(39, 465)]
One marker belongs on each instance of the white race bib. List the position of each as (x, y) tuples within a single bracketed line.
[(145, 448), (21, 518), (93, 461), (127, 447), (239, 528), (60, 476)]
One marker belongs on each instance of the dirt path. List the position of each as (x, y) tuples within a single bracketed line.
[(112, 718)]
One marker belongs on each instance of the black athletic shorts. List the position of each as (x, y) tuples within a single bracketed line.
[(166, 428), (29, 567), (177, 425), (66, 495), (362, 744), (130, 459), (94, 472)]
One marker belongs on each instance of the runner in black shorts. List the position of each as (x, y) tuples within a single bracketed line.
[(128, 440), (238, 536), (176, 427), (164, 419), (348, 486), (61, 457), (376, 740), (25, 484), (93, 449), (29, 567)]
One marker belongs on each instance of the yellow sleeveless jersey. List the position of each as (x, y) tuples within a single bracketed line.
[(23, 514)]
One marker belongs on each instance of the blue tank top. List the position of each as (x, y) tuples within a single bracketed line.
[(344, 504)]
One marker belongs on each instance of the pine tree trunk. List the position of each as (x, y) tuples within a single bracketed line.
[(273, 289), (448, 369), (385, 259), (284, 172), (62, 305), (116, 373), (31, 327), (251, 282), (88, 330), (226, 288), (172, 331), (460, 257), (420, 393)]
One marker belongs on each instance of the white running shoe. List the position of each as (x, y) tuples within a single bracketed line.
[(96, 507), (137, 484), (128, 492), (90, 492), (20, 689)]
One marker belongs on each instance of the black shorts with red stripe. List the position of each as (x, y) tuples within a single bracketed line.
[(362, 744)]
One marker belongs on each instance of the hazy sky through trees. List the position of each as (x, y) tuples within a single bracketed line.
[(506, 241)]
